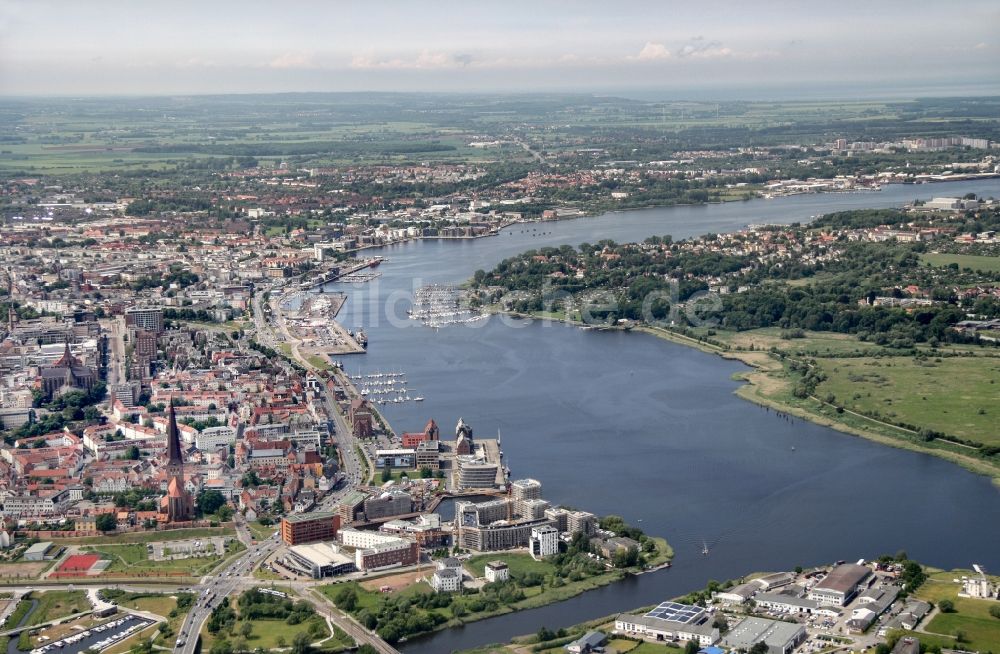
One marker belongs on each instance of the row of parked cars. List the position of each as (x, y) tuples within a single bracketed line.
[(102, 644)]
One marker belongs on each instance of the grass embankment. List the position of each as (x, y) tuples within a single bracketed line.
[(15, 618), (555, 645), (261, 532), (132, 560), (971, 626), (533, 584), (878, 393), (148, 536), (54, 604)]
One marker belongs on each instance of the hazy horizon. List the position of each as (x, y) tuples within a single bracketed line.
[(676, 50)]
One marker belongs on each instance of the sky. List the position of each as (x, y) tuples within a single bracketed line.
[(140, 47)]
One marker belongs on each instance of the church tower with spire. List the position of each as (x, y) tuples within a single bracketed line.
[(177, 503)]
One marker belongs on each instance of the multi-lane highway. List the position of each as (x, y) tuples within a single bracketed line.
[(213, 588)]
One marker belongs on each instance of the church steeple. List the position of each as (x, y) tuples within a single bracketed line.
[(178, 502), (174, 457)]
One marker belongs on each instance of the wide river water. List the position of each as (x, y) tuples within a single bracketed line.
[(630, 424)]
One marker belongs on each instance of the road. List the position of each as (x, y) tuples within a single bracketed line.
[(237, 575), (213, 588), (527, 148), (116, 346)]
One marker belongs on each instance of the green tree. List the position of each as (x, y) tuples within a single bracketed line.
[(946, 606), (691, 647), (210, 501), (300, 644), (106, 522)]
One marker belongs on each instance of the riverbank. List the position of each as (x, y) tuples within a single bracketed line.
[(768, 385), (533, 584)]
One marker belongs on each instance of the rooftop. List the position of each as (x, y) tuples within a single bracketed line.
[(754, 630), (675, 612), (844, 578), (307, 517)]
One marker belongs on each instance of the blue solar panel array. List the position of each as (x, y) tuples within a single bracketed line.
[(683, 613)]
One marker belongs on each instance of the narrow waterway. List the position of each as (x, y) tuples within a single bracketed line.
[(634, 425)]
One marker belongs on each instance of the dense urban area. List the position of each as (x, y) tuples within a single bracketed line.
[(195, 457)]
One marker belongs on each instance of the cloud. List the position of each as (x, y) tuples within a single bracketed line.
[(700, 48), (291, 61), (425, 60), (652, 52)]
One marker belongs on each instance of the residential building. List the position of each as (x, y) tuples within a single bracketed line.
[(544, 541), (497, 571)]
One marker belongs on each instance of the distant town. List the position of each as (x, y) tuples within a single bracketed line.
[(196, 456)]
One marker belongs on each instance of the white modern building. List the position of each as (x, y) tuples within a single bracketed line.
[(446, 580), (544, 541), (497, 571)]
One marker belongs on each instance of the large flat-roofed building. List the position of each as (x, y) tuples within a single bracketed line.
[(841, 585), (526, 489), (780, 637), (309, 527), (378, 551), (670, 621), (387, 504), (493, 525), (476, 473), (351, 505), (319, 560), (500, 535), (39, 551), (583, 522), (148, 319), (396, 458), (428, 455)]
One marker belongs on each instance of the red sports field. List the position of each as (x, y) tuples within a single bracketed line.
[(77, 565)]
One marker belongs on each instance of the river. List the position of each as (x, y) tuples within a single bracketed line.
[(630, 424)]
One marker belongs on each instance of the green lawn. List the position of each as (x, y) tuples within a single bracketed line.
[(148, 536), (267, 633), (53, 604), (518, 564), (262, 532), (956, 396), (981, 634), (971, 616), (133, 559), (19, 612), (655, 648), (975, 262)]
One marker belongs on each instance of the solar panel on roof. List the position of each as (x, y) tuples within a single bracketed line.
[(682, 613)]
